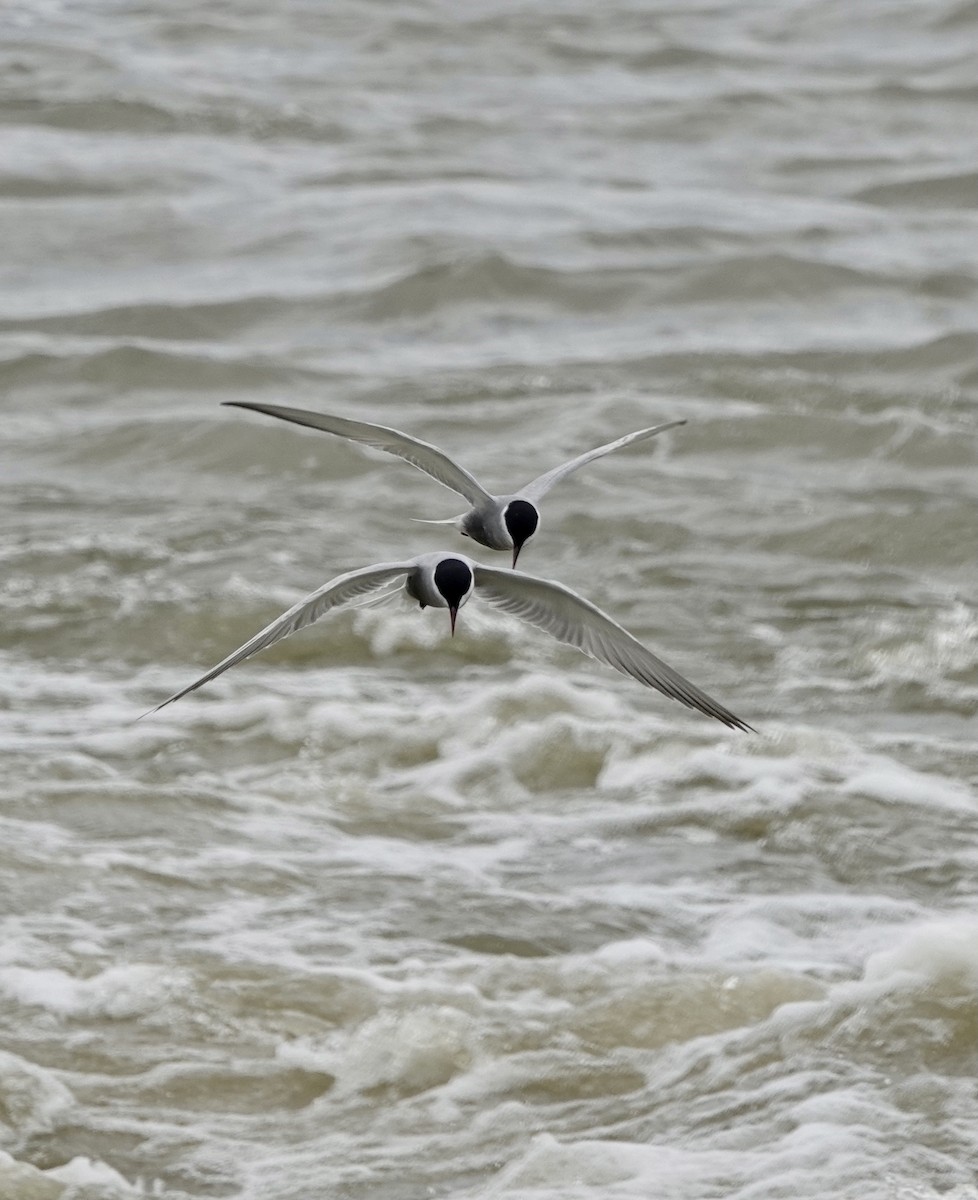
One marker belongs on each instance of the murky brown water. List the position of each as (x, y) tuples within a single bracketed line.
[(384, 915)]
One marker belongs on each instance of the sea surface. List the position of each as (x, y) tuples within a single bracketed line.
[(383, 914)]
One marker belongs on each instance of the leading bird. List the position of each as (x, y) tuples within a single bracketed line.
[(449, 581), (498, 522)]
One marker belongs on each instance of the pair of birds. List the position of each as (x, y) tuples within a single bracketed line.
[(445, 580)]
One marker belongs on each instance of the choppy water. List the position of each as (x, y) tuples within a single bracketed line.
[(385, 915)]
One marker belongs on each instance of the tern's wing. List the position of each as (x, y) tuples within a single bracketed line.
[(423, 455), (572, 619), (543, 483), (338, 591)]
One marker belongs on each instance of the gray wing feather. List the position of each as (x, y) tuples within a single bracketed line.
[(570, 618), (332, 595), (423, 455), (543, 483)]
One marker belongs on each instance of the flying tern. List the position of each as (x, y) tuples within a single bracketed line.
[(449, 581), (500, 522)]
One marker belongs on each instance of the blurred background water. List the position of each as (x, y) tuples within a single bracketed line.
[(386, 915)]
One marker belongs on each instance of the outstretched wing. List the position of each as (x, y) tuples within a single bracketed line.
[(543, 483), (423, 455), (338, 591), (570, 618)]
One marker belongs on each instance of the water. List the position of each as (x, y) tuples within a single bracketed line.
[(381, 914)]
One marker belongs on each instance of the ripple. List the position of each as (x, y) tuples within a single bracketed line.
[(492, 278), (773, 276), (953, 191)]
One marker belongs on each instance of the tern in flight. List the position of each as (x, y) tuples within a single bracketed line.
[(449, 580), (499, 522)]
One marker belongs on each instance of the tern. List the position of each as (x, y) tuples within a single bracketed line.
[(498, 522), (449, 581)]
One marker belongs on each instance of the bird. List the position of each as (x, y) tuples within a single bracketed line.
[(446, 580), (505, 522)]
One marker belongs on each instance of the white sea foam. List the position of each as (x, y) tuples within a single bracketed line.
[(408, 1050), (827, 1154), (83, 1173), (21, 1181), (118, 992), (32, 1099), (946, 643), (939, 954), (895, 783), (82, 1178)]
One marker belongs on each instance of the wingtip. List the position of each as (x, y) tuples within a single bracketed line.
[(733, 722), (662, 427), (163, 703)]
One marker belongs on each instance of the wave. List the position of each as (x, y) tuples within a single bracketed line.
[(129, 366), (957, 190), (490, 278), (112, 114), (772, 276), (963, 14), (187, 321)]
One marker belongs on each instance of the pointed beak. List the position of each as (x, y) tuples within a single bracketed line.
[(453, 613)]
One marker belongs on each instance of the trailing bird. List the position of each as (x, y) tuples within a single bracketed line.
[(505, 522)]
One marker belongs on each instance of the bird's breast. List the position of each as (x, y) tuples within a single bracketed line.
[(420, 586), (485, 526)]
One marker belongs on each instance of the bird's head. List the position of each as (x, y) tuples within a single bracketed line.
[(454, 581), (521, 520)]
